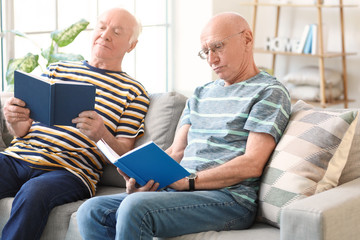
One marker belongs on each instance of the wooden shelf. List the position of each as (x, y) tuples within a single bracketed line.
[(325, 55), (321, 55)]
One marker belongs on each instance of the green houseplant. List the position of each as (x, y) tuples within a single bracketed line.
[(51, 54)]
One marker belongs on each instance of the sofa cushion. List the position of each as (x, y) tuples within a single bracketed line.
[(338, 161), (301, 158), (352, 167), (5, 136), (58, 221), (160, 125), (162, 118), (258, 231)]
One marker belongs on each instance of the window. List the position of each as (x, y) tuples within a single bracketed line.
[(148, 63)]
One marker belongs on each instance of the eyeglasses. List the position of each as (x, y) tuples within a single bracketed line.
[(215, 47)]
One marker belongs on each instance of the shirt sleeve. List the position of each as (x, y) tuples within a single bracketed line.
[(270, 114), (132, 121)]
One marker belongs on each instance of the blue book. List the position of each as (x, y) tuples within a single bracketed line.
[(53, 102), (146, 162), (308, 42)]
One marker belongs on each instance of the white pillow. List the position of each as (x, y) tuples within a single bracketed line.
[(312, 93), (310, 75)]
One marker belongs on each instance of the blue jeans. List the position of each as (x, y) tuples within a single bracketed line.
[(145, 215), (36, 192)]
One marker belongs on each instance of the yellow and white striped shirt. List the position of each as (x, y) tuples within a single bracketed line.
[(120, 100)]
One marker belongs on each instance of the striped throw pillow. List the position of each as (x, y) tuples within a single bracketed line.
[(300, 161)]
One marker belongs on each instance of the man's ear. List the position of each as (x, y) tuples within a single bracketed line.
[(132, 46), (249, 39)]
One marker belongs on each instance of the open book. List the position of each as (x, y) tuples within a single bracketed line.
[(146, 162), (53, 102)]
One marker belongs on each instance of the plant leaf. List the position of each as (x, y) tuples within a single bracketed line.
[(23, 35), (26, 64), (48, 52), (66, 36), (19, 34)]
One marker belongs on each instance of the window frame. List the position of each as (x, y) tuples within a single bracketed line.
[(7, 40)]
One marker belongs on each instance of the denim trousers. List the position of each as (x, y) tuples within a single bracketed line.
[(35, 193), (144, 215)]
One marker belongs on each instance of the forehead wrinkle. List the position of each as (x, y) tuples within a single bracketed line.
[(112, 26), (210, 44), (211, 40)]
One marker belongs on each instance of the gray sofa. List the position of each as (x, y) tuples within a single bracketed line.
[(332, 214)]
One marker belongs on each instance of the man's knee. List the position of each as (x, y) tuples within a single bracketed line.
[(136, 204), (94, 207), (88, 207)]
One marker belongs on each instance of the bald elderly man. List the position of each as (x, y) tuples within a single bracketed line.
[(228, 131)]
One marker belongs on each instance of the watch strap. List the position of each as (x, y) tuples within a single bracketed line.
[(191, 184)]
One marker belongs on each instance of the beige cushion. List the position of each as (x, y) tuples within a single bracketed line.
[(162, 118), (338, 161), (352, 167), (5, 136), (301, 159)]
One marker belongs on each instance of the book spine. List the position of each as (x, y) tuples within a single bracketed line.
[(52, 104)]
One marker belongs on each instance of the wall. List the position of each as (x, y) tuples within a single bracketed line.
[(190, 16), (189, 71)]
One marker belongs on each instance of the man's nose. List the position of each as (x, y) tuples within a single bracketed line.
[(213, 57), (106, 35)]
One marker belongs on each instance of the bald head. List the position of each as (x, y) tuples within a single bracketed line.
[(115, 34), (225, 23), (227, 45), (132, 22)]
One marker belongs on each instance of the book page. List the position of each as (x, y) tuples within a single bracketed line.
[(109, 153)]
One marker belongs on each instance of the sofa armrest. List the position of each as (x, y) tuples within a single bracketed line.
[(330, 215)]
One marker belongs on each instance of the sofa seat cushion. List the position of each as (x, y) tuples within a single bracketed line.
[(259, 231), (59, 218), (58, 221), (309, 145)]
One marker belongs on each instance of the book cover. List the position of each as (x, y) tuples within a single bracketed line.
[(53, 102), (303, 39), (308, 42), (146, 162)]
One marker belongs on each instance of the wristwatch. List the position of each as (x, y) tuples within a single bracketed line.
[(191, 178)]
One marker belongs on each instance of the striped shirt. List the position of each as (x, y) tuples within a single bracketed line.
[(120, 100), (222, 117)]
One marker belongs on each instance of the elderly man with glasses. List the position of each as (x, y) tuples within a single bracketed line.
[(228, 131)]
